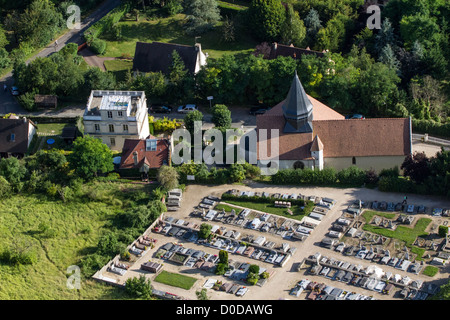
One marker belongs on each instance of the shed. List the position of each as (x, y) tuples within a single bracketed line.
[(69, 134), (45, 101)]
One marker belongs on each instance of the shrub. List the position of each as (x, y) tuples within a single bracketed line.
[(139, 287), (351, 176), (221, 268), (16, 256), (443, 231), (393, 172), (98, 46), (205, 231), (254, 268)]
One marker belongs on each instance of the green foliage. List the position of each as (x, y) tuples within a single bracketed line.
[(167, 177), (351, 176), (430, 271), (221, 116), (236, 172), (202, 15), (190, 118), (5, 61), (139, 287), (265, 18), (205, 231), (202, 294), (98, 46), (18, 256), (221, 268), (254, 268), (5, 187), (223, 257), (175, 280), (443, 231), (90, 157), (293, 30), (12, 170)]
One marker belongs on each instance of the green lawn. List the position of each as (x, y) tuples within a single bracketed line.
[(52, 128), (175, 280), (402, 233), (368, 214), (119, 67), (430, 271), (171, 30), (76, 227)]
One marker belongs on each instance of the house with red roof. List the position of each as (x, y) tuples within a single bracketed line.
[(139, 156), (312, 135)]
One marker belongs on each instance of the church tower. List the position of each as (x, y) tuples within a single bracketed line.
[(297, 109)]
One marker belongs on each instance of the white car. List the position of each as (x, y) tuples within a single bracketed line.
[(187, 108), (242, 291)]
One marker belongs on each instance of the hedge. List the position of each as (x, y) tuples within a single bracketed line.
[(431, 127), (98, 46), (106, 23)]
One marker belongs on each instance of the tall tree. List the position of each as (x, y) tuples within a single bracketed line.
[(387, 56), (168, 177), (90, 157), (416, 166), (313, 25), (293, 30), (265, 19), (202, 15)]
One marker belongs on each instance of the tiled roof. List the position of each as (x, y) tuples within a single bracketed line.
[(290, 51), (154, 159), (340, 137), (317, 144), (157, 56), (18, 127)]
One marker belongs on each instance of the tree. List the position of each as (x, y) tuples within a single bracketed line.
[(90, 157), (191, 118), (237, 172), (221, 116), (167, 177), (385, 36), (228, 34), (387, 56), (202, 15), (292, 30), (313, 24), (39, 23), (5, 61), (202, 295), (265, 18), (443, 231), (139, 287), (3, 39), (223, 257), (416, 166), (12, 170), (205, 231)]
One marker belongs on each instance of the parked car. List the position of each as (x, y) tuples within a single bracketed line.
[(187, 108), (15, 91), (258, 110), (355, 116), (160, 109)]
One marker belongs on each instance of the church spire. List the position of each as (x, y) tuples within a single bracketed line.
[(297, 108)]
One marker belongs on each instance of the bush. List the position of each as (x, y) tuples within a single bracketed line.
[(98, 46), (221, 268), (393, 172), (205, 231), (254, 268), (352, 176), (431, 127), (26, 100), (139, 287), (443, 231), (18, 257)]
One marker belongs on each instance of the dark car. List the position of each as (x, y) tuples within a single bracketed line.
[(355, 116), (258, 110), (160, 109)]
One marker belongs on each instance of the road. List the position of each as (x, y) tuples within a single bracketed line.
[(8, 103)]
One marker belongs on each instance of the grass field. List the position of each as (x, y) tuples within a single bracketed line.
[(368, 215), (118, 67), (171, 30), (76, 227), (175, 280)]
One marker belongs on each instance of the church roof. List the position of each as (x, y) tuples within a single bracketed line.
[(317, 144), (297, 103)]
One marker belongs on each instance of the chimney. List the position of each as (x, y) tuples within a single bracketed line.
[(135, 158), (198, 47)]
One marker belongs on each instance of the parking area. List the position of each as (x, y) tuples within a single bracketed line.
[(284, 276)]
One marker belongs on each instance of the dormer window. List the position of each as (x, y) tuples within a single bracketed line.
[(13, 137), (150, 145)]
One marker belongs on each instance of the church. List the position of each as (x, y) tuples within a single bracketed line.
[(312, 135)]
